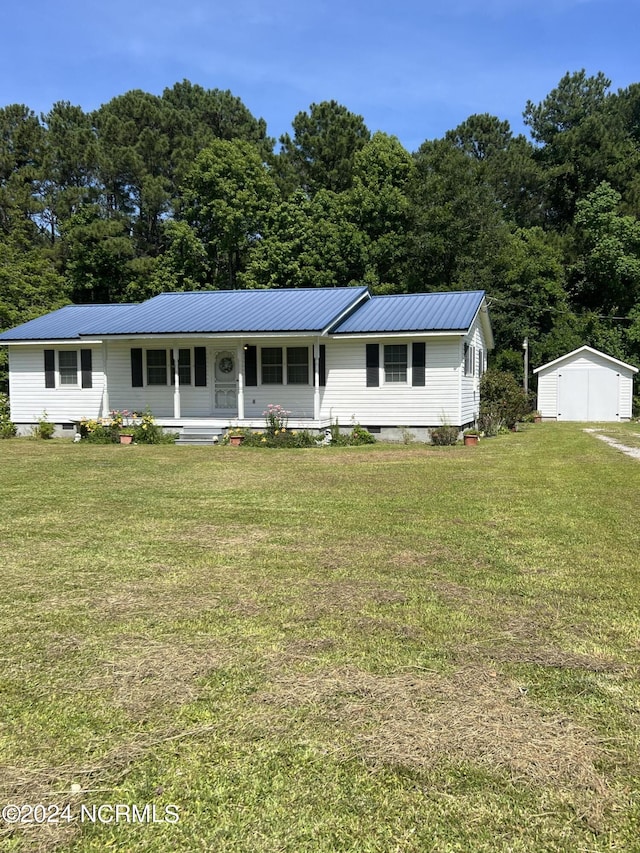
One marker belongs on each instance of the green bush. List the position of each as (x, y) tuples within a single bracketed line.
[(7, 427), (502, 402), (359, 435), (444, 435), (143, 428), (44, 429), (285, 437), (278, 438), (147, 431)]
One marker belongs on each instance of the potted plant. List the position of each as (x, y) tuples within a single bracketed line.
[(470, 437), (235, 436), (121, 422), (537, 417)]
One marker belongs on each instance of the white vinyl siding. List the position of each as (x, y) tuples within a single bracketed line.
[(447, 395), (473, 363), (347, 397), (64, 403)]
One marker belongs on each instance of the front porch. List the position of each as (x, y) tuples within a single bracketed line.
[(218, 426), (209, 431), (177, 424)]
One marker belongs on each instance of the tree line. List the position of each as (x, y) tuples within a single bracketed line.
[(186, 191)]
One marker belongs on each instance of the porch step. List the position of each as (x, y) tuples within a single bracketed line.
[(203, 436)]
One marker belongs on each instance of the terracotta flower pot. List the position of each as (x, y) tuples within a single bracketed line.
[(125, 439), (470, 440), (236, 440)]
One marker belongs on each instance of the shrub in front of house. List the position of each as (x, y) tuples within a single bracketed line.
[(359, 435), (445, 435), (502, 402), (44, 429), (142, 427), (7, 428), (284, 437)]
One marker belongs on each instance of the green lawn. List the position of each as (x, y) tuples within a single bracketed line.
[(384, 648)]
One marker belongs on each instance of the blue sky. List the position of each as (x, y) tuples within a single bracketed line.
[(412, 69)]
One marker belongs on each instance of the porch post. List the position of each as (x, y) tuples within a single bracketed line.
[(176, 379), (240, 360), (316, 381), (105, 387)]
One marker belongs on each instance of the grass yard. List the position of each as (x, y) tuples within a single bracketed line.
[(384, 648)]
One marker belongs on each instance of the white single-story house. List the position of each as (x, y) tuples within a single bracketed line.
[(585, 385), (212, 359)]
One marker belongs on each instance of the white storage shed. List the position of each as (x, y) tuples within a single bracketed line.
[(585, 385)]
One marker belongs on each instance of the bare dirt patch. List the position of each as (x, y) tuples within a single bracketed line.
[(633, 452)]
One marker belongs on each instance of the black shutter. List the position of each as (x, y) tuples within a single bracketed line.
[(200, 366), (85, 366), (322, 365), (251, 366), (418, 362), (49, 368), (373, 365), (137, 379)]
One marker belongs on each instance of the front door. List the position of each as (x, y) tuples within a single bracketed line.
[(226, 384)]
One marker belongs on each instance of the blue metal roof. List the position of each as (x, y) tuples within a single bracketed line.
[(255, 311), (229, 311), (414, 312), (66, 323)]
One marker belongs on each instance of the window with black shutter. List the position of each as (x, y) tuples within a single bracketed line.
[(137, 378), (373, 365), (251, 366), (85, 367), (418, 363), (200, 366), (49, 368)]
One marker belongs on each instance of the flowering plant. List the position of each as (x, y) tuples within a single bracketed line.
[(276, 419), (123, 420)]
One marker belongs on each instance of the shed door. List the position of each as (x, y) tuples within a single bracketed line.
[(588, 394)]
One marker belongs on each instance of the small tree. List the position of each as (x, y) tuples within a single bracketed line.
[(502, 401)]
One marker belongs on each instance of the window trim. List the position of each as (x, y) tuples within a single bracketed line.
[(158, 366), (391, 367), (277, 365), (181, 366), (197, 366), (54, 370), (284, 364), (297, 364), (469, 360)]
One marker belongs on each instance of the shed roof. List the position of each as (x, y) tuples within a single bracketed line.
[(414, 312), (585, 349)]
